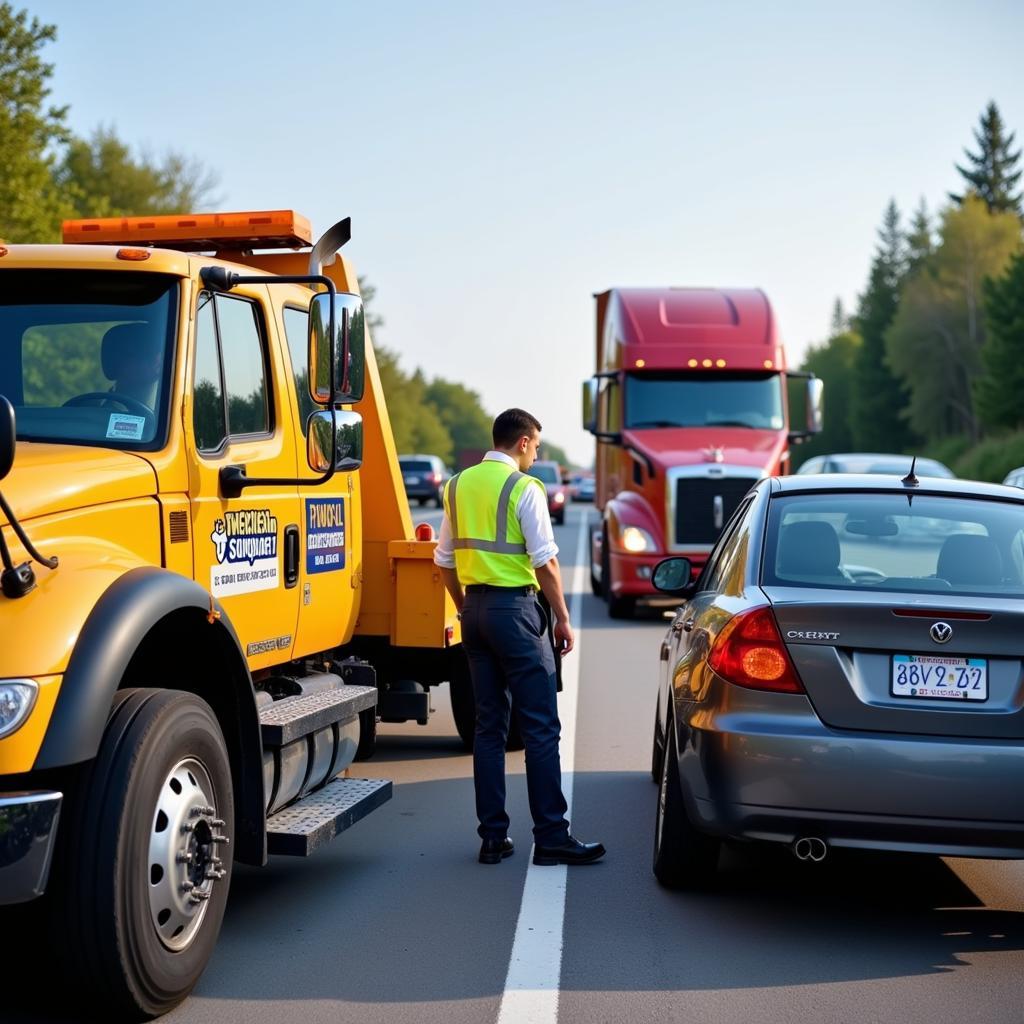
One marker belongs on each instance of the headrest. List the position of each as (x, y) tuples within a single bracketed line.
[(808, 549), (119, 344), (970, 558)]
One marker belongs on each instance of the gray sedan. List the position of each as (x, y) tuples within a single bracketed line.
[(827, 684)]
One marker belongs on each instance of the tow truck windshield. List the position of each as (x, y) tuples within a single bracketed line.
[(85, 356), (751, 400)]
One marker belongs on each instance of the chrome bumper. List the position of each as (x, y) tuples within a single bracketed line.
[(28, 828)]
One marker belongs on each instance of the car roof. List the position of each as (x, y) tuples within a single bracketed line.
[(827, 483)]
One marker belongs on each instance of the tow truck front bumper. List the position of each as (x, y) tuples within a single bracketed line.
[(28, 828)]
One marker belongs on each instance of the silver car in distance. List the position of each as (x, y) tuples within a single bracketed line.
[(846, 672)]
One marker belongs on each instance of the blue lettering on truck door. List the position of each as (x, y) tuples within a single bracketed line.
[(325, 534)]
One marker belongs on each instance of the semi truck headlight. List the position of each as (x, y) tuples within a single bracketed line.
[(634, 539), (16, 701)]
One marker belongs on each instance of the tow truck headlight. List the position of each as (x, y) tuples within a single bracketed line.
[(16, 701), (636, 540)]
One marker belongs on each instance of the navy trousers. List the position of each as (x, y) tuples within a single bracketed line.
[(512, 665)]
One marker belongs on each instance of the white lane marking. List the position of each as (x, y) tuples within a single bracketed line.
[(535, 966)]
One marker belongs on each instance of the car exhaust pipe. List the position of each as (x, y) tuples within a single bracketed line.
[(810, 848)]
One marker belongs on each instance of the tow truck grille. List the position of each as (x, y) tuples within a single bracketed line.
[(699, 516)]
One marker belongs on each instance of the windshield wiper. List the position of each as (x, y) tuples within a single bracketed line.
[(655, 423), (730, 423)]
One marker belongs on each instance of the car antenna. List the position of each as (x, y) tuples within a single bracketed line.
[(910, 480)]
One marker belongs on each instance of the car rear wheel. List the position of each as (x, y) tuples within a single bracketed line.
[(683, 857), (145, 865)]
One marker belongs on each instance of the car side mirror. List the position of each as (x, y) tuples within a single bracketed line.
[(590, 405), (344, 383), (673, 576), (348, 431), (8, 436)]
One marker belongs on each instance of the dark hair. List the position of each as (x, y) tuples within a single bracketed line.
[(511, 425)]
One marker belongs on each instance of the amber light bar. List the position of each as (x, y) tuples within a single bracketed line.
[(269, 229)]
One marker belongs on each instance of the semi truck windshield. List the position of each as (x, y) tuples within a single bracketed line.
[(751, 400), (85, 357)]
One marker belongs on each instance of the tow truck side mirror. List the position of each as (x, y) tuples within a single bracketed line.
[(349, 448), (342, 384), (8, 436)]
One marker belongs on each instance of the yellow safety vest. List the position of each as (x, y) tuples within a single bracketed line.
[(487, 538)]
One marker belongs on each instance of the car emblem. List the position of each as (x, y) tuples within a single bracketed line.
[(941, 632)]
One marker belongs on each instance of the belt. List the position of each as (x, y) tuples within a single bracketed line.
[(488, 588)]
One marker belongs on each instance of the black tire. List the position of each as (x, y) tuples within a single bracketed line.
[(422, 501), (460, 688), (102, 914), (618, 607), (657, 751), (683, 857), (367, 734), (596, 585)]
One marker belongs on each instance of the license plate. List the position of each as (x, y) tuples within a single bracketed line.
[(412, 479), (934, 678)]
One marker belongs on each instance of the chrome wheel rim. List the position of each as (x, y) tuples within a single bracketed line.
[(185, 842)]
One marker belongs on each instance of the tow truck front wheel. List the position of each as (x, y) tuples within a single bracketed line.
[(147, 865)]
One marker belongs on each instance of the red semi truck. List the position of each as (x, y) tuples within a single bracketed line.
[(689, 406)]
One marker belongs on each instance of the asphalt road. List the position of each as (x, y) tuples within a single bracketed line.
[(396, 922)]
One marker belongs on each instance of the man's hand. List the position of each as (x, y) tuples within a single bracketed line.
[(564, 640)]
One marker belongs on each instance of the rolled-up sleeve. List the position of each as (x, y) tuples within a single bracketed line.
[(444, 553), (535, 522)]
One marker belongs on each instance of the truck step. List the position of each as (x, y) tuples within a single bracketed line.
[(304, 827), (288, 719)]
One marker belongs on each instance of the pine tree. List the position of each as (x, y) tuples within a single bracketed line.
[(999, 389), (920, 244), (840, 321), (993, 173), (878, 398)]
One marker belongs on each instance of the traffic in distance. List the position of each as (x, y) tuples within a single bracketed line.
[(212, 619)]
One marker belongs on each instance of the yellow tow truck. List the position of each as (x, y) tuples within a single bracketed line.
[(211, 586)]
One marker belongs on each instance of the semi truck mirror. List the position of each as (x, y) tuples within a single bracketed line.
[(344, 383), (8, 436), (590, 405), (349, 433), (815, 405)]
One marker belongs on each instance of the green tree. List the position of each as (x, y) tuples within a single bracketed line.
[(936, 338), (551, 452), (992, 173), (31, 207), (999, 389), (840, 321), (833, 362), (101, 178), (459, 410), (919, 238), (878, 399)]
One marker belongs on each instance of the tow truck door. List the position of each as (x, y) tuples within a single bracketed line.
[(246, 546)]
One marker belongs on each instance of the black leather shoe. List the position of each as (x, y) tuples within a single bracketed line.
[(493, 851), (572, 851)]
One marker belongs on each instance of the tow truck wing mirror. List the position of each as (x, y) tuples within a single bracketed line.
[(590, 405), (8, 436), (344, 382), (348, 430)]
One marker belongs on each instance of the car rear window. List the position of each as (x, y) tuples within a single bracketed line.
[(416, 465), (545, 474), (909, 542)]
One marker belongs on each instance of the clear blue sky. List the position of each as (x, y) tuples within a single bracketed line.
[(502, 164)]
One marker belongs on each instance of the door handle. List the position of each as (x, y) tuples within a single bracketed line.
[(291, 556)]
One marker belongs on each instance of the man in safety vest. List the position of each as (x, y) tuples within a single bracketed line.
[(496, 548)]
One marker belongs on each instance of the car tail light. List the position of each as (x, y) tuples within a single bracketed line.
[(749, 652), (435, 478)]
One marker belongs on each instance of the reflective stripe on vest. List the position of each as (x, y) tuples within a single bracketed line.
[(488, 543)]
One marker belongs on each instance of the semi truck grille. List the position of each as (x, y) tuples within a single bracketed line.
[(703, 506)]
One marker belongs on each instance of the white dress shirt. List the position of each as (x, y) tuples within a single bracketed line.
[(534, 520)]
